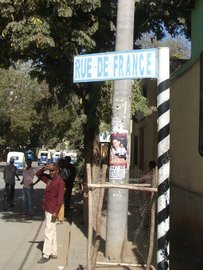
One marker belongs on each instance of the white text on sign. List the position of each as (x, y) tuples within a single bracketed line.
[(115, 66)]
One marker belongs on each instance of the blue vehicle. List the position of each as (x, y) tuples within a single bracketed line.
[(19, 160), (29, 154), (44, 157), (56, 156)]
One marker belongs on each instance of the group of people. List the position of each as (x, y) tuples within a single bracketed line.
[(59, 183)]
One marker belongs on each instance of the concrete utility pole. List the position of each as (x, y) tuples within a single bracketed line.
[(120, 139)]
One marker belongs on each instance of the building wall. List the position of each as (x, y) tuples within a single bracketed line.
[(186, 162), (145, 131), (185, 158)]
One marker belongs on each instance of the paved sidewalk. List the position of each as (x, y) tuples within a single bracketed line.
[(22, 238)]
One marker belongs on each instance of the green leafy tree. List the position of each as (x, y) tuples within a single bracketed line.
[(51, 32), (18, 96), (139, 102), (162, 16), (180, 46)]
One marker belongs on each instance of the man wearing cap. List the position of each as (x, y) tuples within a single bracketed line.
[(9, 174)]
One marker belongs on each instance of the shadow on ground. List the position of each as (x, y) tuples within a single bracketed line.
[(14, 214)]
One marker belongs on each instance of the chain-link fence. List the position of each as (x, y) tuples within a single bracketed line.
[(140, 252)]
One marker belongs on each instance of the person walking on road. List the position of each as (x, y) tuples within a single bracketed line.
[(52, 201), (9, 174), (27, 182)]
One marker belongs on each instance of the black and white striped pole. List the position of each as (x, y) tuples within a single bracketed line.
[(163, 108)]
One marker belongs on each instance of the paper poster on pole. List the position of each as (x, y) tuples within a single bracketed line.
[(117, 172), (118, 156)]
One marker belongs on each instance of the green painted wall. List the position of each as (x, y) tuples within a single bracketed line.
[(197, 30)]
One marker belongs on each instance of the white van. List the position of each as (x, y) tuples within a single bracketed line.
[(19, 160)]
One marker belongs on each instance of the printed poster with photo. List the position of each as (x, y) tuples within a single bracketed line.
[(118, 156)]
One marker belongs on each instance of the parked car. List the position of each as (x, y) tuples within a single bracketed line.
[(19, 160)]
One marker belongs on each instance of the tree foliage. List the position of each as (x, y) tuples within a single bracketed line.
[(18, 96), (55, 30), (160, 16), (139, 102), (51, 33), (180, 47)]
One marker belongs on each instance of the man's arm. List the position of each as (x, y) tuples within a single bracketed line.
[(17, 174), (41, 175), (34, 183), (4, 173)]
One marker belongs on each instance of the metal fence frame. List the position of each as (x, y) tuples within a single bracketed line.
[(92, 262)]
